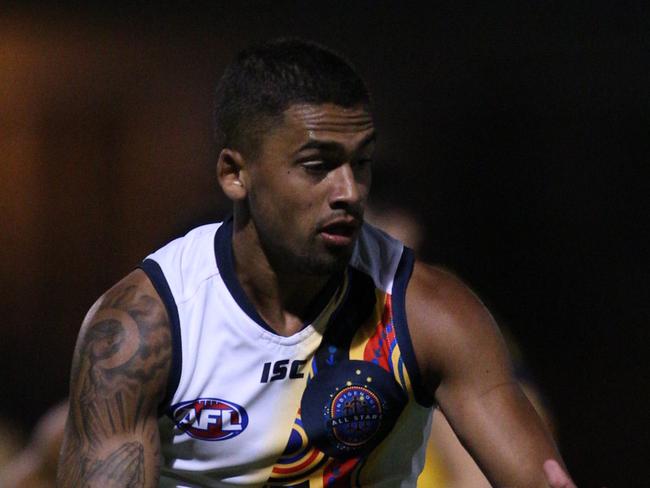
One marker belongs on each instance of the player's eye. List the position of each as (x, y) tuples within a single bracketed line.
[(315, 166)]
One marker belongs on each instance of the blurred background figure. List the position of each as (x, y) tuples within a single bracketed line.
[(448, 464), (11, 442), (35, 465)]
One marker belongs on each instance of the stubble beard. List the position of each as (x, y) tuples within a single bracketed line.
[(313, 265), (311, 260)]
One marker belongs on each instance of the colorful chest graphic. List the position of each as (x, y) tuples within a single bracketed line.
[(357, 388)]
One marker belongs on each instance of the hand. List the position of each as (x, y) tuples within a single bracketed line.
[(556, 477), (123, 468)]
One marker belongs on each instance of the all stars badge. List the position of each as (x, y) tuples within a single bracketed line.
[(348, 409)]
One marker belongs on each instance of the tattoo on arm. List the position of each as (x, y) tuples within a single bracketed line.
[(124, 467), (119, 374)]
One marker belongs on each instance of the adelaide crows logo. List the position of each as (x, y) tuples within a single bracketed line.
[(210, 419)]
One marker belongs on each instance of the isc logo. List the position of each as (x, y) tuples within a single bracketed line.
[(210, 419), (280, 370)]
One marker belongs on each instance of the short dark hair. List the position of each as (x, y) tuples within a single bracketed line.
[(264, 80)]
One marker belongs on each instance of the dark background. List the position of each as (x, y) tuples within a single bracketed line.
[(516, 131)]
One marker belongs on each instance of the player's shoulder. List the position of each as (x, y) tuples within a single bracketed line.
[(126, 342), (440, 290), (133, 290), (186, 262), (444, 314), (128, 319), (184, 247)]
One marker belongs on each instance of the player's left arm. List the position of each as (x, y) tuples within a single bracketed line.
[(463, 357)]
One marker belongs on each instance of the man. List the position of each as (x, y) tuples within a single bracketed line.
[(292, 345)]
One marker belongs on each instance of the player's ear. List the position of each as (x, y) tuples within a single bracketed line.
[(230, 173)]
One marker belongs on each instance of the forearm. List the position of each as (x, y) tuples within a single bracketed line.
[(506, 437)]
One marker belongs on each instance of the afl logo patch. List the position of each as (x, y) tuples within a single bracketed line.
[(349, 408), (210, 419)]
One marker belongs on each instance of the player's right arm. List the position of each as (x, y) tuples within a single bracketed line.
[(118, 379)]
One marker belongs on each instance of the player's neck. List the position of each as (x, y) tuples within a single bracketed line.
[(281, 298)]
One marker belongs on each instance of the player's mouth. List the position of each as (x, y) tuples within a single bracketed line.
[(340, 232)]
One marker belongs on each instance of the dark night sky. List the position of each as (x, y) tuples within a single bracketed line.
[(518, 133)]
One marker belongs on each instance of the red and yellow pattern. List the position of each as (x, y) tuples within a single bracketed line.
[(299, 460), (376, 342)]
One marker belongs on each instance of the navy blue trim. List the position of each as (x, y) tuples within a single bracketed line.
[(404, 270), (355, 308), (157, 277), (225, 263)]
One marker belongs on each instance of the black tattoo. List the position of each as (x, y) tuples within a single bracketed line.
[(119, 373), (124, 468)]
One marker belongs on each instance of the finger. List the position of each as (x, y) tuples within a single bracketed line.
[(556, 476)]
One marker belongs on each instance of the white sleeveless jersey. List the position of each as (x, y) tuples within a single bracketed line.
[(338, 404)]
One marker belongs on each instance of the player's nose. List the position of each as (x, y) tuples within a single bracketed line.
[(346, 190)]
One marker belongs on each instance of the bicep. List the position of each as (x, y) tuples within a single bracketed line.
[(119, 370), (458, 343)]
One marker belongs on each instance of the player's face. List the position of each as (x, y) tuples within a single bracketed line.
[(309, 186)]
